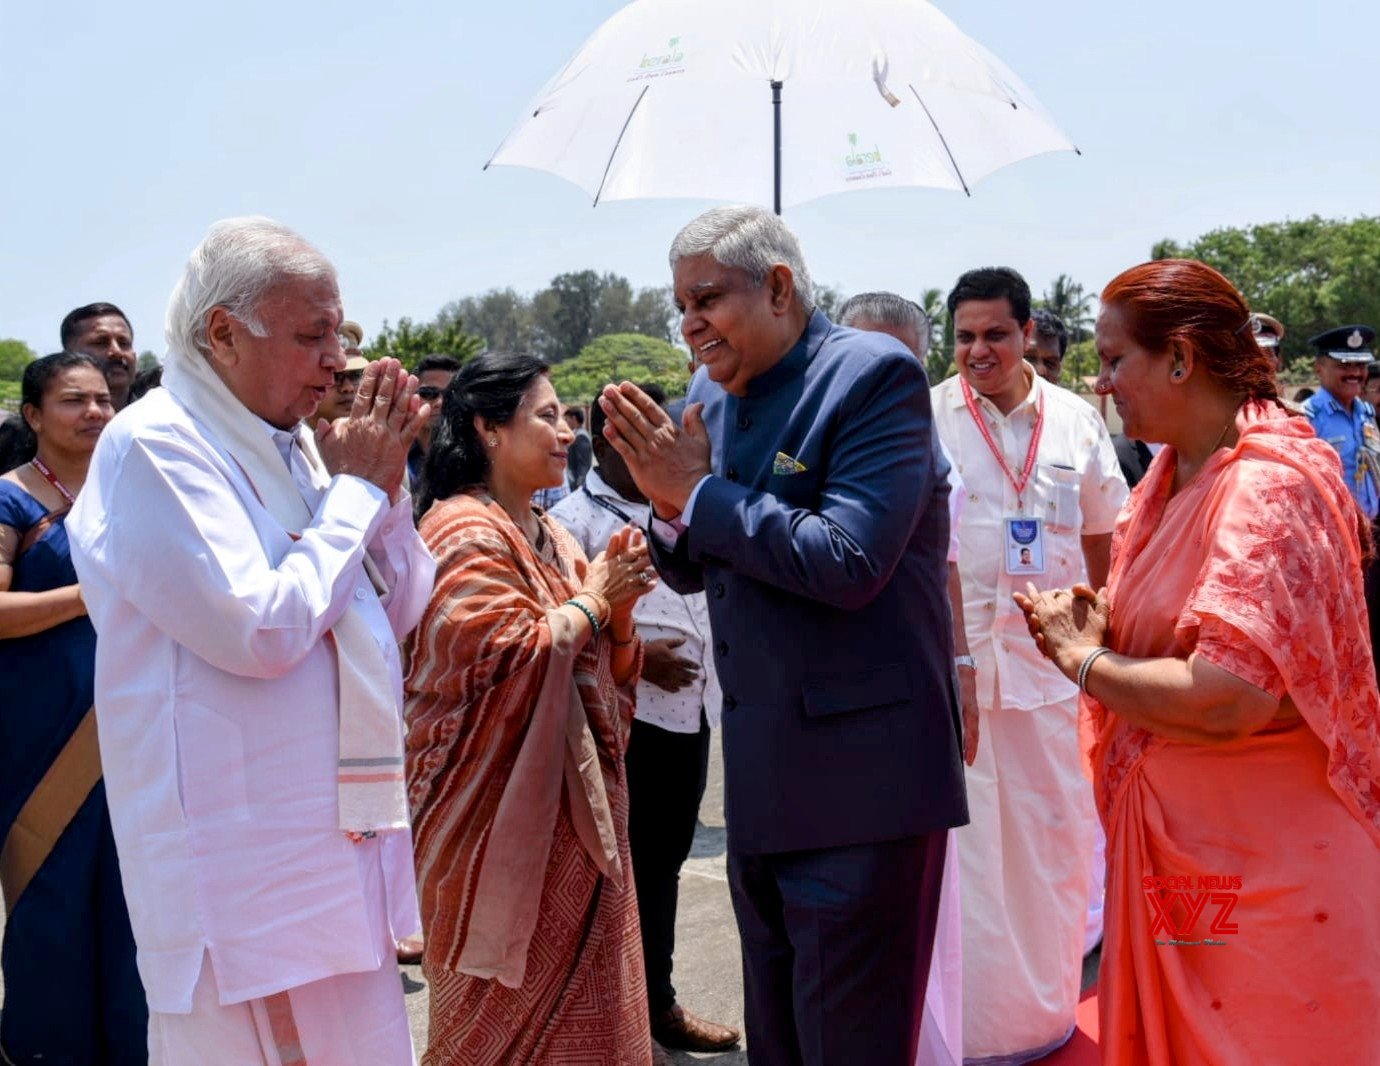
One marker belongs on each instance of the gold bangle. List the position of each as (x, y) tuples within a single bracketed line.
[(623, 643)]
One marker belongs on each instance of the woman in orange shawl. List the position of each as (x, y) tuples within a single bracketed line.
[(519, 701), (1231, 704)]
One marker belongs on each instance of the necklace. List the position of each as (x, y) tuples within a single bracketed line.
[(48, 476), (1223, 435)]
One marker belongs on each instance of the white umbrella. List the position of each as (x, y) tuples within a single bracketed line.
[(778, 102)]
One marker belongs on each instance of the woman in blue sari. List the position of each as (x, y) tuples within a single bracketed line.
[(72, 993)]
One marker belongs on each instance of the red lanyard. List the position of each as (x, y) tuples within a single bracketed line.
[(1020, 483), (51, 478)]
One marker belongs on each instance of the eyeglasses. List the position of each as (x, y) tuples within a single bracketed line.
[(352, 376), (429, 392)]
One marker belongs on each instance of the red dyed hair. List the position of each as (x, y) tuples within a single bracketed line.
[(1185, 301)]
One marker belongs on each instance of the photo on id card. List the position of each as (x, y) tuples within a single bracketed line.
[(1025, 546)]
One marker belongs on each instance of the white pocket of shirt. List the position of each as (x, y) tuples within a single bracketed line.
[(1059, 490)]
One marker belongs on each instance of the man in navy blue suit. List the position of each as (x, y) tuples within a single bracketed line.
[(804, 494)]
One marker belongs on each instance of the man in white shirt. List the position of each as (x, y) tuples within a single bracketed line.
[(678, 700), (1044, 490), (249, 581)]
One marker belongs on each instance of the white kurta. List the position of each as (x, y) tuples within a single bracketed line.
[(661, 614), (1026, 856), (217, 708)]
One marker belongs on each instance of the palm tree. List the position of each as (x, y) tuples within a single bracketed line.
[(937, 363), (1066, 298)]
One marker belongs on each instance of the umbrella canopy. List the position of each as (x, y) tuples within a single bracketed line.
[(674, 98)]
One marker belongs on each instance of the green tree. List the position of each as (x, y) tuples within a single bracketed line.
[(15, 355), (1066, 299), (501, 318), (577, 307), (410, 343), (939, 362), (1080, 361), (147, 361), (1311, 274), (621, 357), (830, 300), (566, 312)]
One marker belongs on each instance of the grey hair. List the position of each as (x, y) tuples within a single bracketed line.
[(888, 309), (239, 260), (752, 239)]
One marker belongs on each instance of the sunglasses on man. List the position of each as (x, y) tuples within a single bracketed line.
[(352, 376)]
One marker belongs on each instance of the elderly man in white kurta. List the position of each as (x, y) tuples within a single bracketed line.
[(249, 579), (1043, 490)]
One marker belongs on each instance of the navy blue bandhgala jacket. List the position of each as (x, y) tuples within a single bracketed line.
[(821, 540)]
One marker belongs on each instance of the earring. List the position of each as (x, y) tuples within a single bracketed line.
[(493, 442), (1179, 374)]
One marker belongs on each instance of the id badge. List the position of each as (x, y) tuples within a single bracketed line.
[(1025, 545)]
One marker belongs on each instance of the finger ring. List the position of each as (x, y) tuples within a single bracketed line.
[(380, 399), (642, 576)]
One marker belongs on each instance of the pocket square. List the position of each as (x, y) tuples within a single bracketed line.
[(785, 464)]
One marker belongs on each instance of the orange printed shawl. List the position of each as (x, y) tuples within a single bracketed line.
[(506, 722), (1284, 569)]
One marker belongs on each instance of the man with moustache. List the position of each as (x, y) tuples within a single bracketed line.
[(1340, 416), (1044, 486), (1347, 422), (102, 331), (341, 397), (1047, 345), (804, 493)]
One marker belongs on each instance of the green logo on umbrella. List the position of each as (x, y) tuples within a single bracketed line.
[(863, 158), (670, 58)]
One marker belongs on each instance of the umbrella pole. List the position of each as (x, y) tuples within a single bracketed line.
[(776, 154)]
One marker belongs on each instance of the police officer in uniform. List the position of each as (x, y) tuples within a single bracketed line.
[(1269, 335), (1347, 422)]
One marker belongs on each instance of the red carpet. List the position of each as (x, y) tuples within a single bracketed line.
[(1081, 1050)]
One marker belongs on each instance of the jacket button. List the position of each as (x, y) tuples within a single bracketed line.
[(718, 590), (744, 422), (730, 703), (721, 647), (731, 473)]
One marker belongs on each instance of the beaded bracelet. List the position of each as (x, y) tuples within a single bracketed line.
[(599, 600), (586, 612), (1084, 669)]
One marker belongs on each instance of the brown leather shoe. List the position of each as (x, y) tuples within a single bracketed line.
[(678, 1028), (410, 950)]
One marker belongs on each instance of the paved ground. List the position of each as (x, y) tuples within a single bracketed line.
[(708, 975)]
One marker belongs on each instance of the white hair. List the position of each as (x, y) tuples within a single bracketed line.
[(752, 239), (239, 260), (888, 309)]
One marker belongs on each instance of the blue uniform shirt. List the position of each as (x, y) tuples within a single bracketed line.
[(1350, 434)]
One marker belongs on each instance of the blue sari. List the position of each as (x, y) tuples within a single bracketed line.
[(72, 994)]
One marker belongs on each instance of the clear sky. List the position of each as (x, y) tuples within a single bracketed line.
[(125, 129)]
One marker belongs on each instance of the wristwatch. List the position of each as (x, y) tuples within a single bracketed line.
[(965, 660)]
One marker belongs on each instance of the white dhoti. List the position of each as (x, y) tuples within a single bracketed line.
[(1026, 860), (353, 1019), (941, 1030)]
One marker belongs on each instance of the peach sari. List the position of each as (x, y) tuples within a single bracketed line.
[(1255, 565)]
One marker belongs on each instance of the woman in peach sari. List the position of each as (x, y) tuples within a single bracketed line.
[(519, 702), (1230, 703)]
